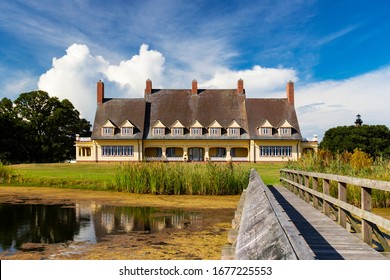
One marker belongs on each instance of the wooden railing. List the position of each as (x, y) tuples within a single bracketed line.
[(362, 220)]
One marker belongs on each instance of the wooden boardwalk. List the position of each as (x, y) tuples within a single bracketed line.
[(327, 239)]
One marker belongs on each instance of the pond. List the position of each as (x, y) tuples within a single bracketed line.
[(46, 224)]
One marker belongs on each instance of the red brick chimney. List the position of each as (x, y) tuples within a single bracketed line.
[(148, 89), (194, 87), (240, 87), (100, 92), (290, 92)]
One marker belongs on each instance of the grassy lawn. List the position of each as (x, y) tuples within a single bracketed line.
[(82, 175), (100, 175), (269, 172)]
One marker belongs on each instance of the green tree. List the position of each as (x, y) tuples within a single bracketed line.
[(46, 127), (371, 139), (12, 132)]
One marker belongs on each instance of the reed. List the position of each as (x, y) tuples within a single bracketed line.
[(7, 174), (356, 164), (176, 178)]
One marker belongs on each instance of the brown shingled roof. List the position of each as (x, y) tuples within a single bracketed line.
[(117, 111), (169, 106), (207, 106), (275, 111)]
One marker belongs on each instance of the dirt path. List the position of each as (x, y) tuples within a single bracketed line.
[(199, 241)]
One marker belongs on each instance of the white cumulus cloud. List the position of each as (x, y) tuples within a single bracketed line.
[(74, 76), (328, 104), (132, 74)]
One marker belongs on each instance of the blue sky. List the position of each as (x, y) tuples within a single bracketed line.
[(336, 52)]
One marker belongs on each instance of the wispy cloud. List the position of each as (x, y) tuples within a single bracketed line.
[(336, 35), (17, 81)]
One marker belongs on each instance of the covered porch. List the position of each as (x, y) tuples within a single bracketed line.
[(197, 153)]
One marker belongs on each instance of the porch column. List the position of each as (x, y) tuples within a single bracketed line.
[(206, 153), (185, 153), (164, 152), (94, 151), (252, 151), (77, 152), (228, 156)]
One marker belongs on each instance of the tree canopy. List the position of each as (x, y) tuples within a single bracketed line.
[(39, 128), (371, 139)]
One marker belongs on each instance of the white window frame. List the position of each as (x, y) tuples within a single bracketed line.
[(107, 131), (177, 131), (275, 151), (215, 131), (117, 151), (265, 130), (234, 131), (196, 131), (285, 131), (127, 130), (158, 131)]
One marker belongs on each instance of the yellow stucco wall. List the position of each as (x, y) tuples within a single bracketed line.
[(249, 149)]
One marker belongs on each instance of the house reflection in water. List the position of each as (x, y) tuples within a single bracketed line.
[(35, 223)]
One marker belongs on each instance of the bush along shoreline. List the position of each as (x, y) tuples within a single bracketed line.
[(357, 164), (6, 174)]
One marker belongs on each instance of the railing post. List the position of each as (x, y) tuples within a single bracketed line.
[(296, 189), (367, 206), (301, 192), (307, 194), (342, 195), (325, 204), (315, 187)]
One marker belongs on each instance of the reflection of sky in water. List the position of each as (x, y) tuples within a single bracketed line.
[(87, 227), (24, 223)]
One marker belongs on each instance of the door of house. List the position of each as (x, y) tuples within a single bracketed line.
[(196, 154)]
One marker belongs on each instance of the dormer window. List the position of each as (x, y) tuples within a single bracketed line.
[(177, 128), (265, 128), (177, 131), (215, 129), (108, 128), (127, 128), (285, 128), (108, 131), (158, 129), (196, 129), (234, 129)]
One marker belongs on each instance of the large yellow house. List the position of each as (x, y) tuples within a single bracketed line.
[(194, 125)]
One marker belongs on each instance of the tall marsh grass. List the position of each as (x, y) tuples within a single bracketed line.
[(356, 164), (6, 174), (176, 178)]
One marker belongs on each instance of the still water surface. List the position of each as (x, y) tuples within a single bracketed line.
[(37, 223)]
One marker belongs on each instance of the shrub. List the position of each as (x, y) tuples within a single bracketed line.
[(356, 164), (6, 174)]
